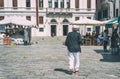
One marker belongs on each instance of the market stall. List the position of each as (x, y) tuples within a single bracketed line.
[(14, 29)]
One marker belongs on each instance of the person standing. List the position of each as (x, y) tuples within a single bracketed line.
[(114, 43), (99, 39), (105, 40), (73, 41), (26, 38)]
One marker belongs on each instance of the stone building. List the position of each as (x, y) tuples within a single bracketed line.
[(52, 17), (107, 10)]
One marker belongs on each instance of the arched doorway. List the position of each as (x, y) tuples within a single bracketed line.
[(53, 27), (65, 27)]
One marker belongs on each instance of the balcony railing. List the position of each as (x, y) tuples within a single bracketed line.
[(55, 10), (69, 10)]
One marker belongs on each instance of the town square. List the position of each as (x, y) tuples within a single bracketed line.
[(59, 39)]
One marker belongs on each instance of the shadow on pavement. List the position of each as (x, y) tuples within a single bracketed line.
[(63, 70), (108, 57)]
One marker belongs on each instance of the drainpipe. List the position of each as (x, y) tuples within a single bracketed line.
[(37, 12)]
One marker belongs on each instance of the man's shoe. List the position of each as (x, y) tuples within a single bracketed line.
[(77, 71), (70, 72)]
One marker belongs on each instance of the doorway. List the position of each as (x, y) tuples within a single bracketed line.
[(53, 30), (65, 30)]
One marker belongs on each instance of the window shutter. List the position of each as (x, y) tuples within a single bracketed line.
[(76, 3), (14, 3), (1, 3), (41, 20), (28, 18)]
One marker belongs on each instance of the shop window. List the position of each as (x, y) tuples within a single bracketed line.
[(15, 4), (41, 29), (1, 4), (28, 18), (40, 19)]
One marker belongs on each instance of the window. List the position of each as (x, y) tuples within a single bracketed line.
[(89, 4), (40, 3), (76, 3), (28, 18), (68, 3), (62, 3), (14, 4), (40, 19), (50, 3), (41, 29), (116, 12), (56, 3), (28, 3), (76, 18), (1, 3), (99, 15), (1, 17), (53, 20), (89, 17), (105, 13), (65, 20)]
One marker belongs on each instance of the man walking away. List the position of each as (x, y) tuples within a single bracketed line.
[(73, 42)]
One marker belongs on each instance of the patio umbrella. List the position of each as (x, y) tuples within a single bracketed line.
[(17, 21), (88, 22), (112, 22)]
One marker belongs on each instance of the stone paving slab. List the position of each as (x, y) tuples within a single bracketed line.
[(48, 60)]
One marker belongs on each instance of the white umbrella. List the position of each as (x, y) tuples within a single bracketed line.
[(17, 21), (88, 22), (5, 21), (21, 21)]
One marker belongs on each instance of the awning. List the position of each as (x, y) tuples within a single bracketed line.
[(112, 22)]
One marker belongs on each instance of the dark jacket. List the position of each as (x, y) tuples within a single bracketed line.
[(73, 42)]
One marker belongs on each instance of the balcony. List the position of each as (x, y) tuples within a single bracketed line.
[(16, 9), (66, 12), (48, 11), (69, 10)]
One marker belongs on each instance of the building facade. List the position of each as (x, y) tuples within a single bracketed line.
[(107, 9), (52, 17)]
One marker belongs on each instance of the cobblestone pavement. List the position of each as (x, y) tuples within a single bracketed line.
[(48, 60)]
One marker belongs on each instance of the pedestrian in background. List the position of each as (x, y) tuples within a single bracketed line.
[(114, 42), (26, 38), (105, 40), (73, 42), (99, 39)]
